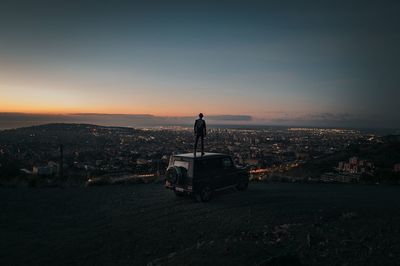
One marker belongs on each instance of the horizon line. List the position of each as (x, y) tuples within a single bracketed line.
[(212, 125)]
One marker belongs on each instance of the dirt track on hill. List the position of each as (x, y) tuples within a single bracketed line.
[(269, 224)]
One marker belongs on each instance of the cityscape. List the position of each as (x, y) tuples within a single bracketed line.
[(82, 153)]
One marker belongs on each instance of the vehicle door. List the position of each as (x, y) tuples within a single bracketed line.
[(229, 174), (215, 173), (201, 174)]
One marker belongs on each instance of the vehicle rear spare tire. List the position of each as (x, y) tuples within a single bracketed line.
[(175, 174)]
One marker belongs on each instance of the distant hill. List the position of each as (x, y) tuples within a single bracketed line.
[(55, 133), (37, 145)]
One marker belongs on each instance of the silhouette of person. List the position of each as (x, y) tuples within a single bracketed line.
[(200, 132)]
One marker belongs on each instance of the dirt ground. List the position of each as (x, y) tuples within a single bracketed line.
[(269, 224)]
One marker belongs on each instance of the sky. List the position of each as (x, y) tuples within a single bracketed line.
[(271, 62)]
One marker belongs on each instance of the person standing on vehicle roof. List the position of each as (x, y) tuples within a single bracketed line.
[(200, 131)]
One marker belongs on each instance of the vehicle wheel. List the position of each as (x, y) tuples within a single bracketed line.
[(179, 194), (242, 184), (205, 194)]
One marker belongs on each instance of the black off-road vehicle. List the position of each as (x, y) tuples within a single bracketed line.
[(200, 175)]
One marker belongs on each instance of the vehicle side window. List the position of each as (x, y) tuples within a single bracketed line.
[(226, 163)]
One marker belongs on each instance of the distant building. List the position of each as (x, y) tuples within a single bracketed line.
[(341, 166), (141, 161), (353, 160), (346, 167), (251, 161), (48, 170), (25, 171), (356, 166)]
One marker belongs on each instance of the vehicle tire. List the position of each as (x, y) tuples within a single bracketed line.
[(205, 194), (179, 194), (242, 184)]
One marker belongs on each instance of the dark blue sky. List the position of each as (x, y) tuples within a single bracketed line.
[(280, 62)]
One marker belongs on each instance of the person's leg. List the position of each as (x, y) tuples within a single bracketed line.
[(202, 145)]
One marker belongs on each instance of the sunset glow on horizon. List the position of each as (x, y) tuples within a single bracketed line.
[(278, 63)]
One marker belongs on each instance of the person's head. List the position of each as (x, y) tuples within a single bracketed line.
[(201, 115)]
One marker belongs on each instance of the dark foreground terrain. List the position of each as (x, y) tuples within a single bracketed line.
[(270, 224)]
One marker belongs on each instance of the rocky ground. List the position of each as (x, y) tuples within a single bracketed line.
[(145, 224)]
